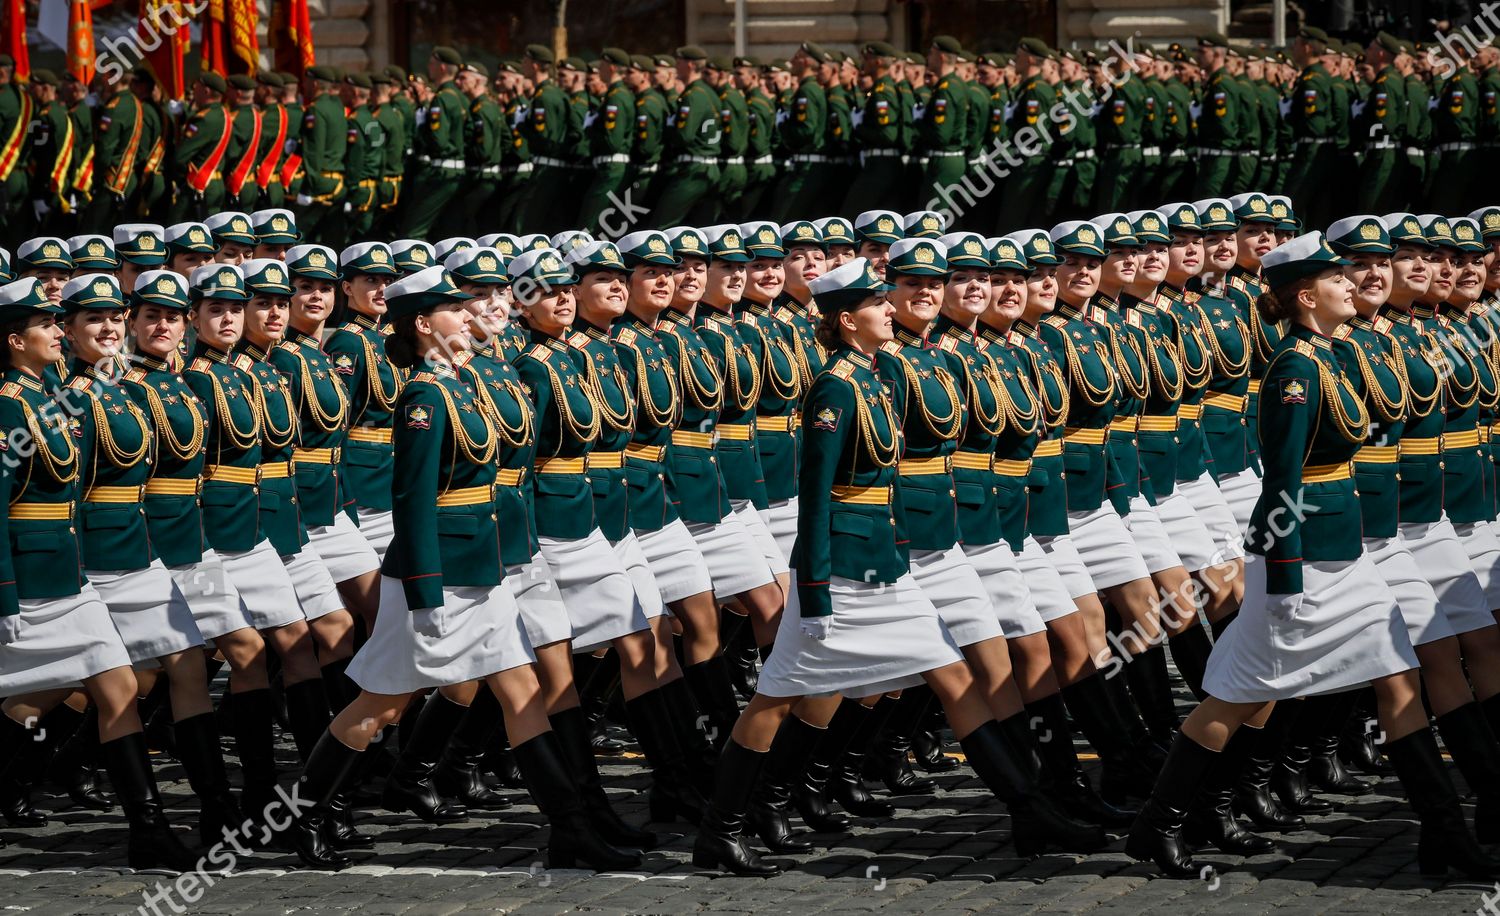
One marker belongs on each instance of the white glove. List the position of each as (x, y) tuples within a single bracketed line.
[(429, 622), (1284, 607), (1432, 104), (857, 118), (10, 629), (289, 147), (304, 200), (1356, 109), (589, 119), (917, 111), (175, 106), (1010, 109), (518, 117), (1286, 107), (1095, 108), (1195, 110), (348, 207), (782, 115), (817, 627), (41, 208)]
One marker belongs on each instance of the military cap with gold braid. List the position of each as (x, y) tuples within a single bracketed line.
[(23, 299), (92, 291), (218, 281), (5, 273), (231, 226), (93, 252), (596, 256), (569, 239), (1009, 252), (412, 255), (923, 224), (1468, 235), (372, 258), (428, 288), (190, 237), (1182, 217), (1360, 235), (1253, 208), (847, 286), (314, 262), (836, 231), (141, 244), (1304, 256), (161, 287), (508, 245), (1037, 246), (1078, 237), (1404, 229), (43, 253), (762, 239), (1488, 219), (802, 232), (444, 247), (1437, 230), (477, 265), (275, 226), (917, 258), (1216, 214), (726, 243), (1281, 210), (266, 277), (965, 250), (882, 226), (542, 268), (688, 242), (1148, 226), (648, 246), (1117, 231)]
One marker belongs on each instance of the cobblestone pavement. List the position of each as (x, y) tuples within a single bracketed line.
[(948, 853)]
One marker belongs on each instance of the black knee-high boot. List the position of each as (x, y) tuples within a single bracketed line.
[(927, 742), (1157, 834), (198, 750), (1325, 770), (740, 653), (457, 775), (1149, 684), (1252, 796), (857, 725), (1477, 755), (409, 786), (1190, 650), (674, 782), (784, 763), (29, 752), (1061, 775), (74, 768), (1006, 771), (713, 689), (1289, 775), (1124, 708), (1211, 820), (720, 843), (250, 720), (889, 758), (153, 844), (500, 762), (545, 769), (810, 788), (1445, 842), (572, 729), (307, 713), (328, 766), (1126, 773), (338, 686), (1357, 745)]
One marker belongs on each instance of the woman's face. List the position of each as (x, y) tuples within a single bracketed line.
[(804, 263), (967, 293), (52, 280), (1255, 240), (95, 335), (601, 296), (726, 282), (916, 300), (765, 279), (265, 319), (1468, 285), (366, 294), (1184, 258), (1331, 298), (1078, 278), (219, 322), (447, 327), (1370, 274), (1223, 250), (1411, 274), (234, 253), (1118, 270), (692, 280), (869, 326), (185, 262), (312, 302), (39, 343), (1492, 266), (158, 330), (552, 311), (839, 255), (1008, 291), (489, 309), (1041, 292), (877, 253), (651, 289), (273, 250), (1151, 264), (1444, 272)]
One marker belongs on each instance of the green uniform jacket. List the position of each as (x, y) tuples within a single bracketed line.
[(280, 516), (609, 135), (498, 387), (173, 520), (1456, 118), (1153, 126), (617, 413), (694, 130), (1225, 423), (1219, 122), (1387, 108), (850, 442), (650, 129), (697, 486), (393, 163), (734, 119), (441, 133), (1299, 429), (1177, 124), (922, 383), (356, 350), (881, 126), (658, 409), (1343, 95), (567, 425), (1161, 348), (806, 126), (1489, 105), (1128, 348), (1121, 120), (232, 440), (325, 147), (1186, 323), (1464, 496), (1047, 484), (737, 362), (1368, 355), (761, 126), (322, 425), (486, 134), (1312, 105), (778, 433), (1418, 116), (271, 118), (116, 162), (1083, 347), (976, 126), (945, 119), (114, 451), (441, 436), (1421, 476), (840, 123), (42, 557), (200, 136)]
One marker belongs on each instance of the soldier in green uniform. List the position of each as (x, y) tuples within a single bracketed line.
[(243, 153), (324, 145), (878, 134), (572, 78), (516, 166), (393, 124), (1153, 130), (15, 139), (760, 167), (1269, 108), (1027, 183), (1487, 67), (1420, 156), (611, 136), (364, 160), (1311, 177), (487, 139), (52, 151), (1219, 121), (940, 132), (1383, 126), (830, 180), (117, 154), (1246, 166), (802, 130), (438, 144), (1455, 124), (1120, 125), (545, 133), (690, 157), (275, 132), (648, 132), (1177, 177), (1076, 163)]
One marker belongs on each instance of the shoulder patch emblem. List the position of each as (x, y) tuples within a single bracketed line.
[(418, 416), (827, 419), (343, 364), (1293, 391)]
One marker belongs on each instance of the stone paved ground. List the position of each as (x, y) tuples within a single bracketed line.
[(944, 854)]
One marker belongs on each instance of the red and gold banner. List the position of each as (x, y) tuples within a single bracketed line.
[(213, 39), (244, 47), (14, 20), (81, 40), (164, 34), (291, 35)]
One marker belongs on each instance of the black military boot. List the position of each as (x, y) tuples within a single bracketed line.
[(1325, 771), (720, 843), (1211, 820), (1157, 834), (198, 751), (1444, 843), (1126, 774), (1062, 778), (1252, 796), (810, 792), (1477, 755), (409, 786), (1289, 775), (574, 839), (152, 844), (1036, 822), (845, 783), (457, 775), (75, 766), (768, 806), (889, 757), (327, 767), (572, 729), (674, 784)]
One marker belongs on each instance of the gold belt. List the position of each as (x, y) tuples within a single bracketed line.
[(1421, 446), (1255, 386), (1377, 454), (173, 486), (921, 467), (115, 494), (1466, 439), (1079, 435), (1234, 403), (607, 460), (276, 470), (1049, 448), (223, 473), (510, 477), (1484, 434), (36, 512), (468, 496), (692, 440), (1159, 424), (1008, 468), (1495, 429), (561, 465), (974, 461), (315, 455), (778, 424), (863, 496), (656, 453), (370, 434), (1189, 411), (1127, 425), (736, 432), (1326, 473)]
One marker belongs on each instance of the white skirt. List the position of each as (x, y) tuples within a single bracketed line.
[(1151, 537), (1241, 491), (1049, 592), (1445, 564), (1346, 633), (317, 593), (628, 552), (1214, 511), (61, 642), (883, 638), (1186, 532), (543, 612), (266, 591), (1063, 554), (378, 527), (781, 520), (149, 610), (734, 561), (344, 551), (212, 598), (1483, 546), (676, 563), (999, 574), (1106, 547), (600, 596), (750, 517), (1415, 598), (484, 635)]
